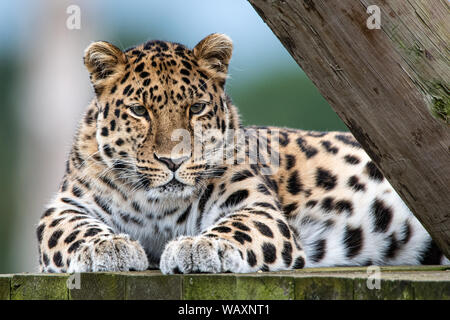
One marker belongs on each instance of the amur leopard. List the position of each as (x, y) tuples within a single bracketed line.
[(273, 199)]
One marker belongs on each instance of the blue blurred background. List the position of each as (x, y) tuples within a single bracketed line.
[(44, 89)]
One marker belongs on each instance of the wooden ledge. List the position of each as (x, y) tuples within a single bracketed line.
[(427, 282)]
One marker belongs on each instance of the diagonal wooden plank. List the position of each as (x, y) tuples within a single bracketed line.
[(389, 85)]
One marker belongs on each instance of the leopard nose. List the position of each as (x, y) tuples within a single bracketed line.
[(172, 164)]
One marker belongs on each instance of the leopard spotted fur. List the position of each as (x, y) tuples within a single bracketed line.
[(126, 202)]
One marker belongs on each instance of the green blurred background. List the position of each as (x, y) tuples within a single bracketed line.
[(44, 88)]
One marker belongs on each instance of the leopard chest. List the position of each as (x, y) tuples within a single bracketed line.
[(151, 221)]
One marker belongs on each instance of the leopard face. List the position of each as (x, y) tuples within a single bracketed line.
[(153, 102)]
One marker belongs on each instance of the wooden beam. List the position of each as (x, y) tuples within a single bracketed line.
[(390, 86)]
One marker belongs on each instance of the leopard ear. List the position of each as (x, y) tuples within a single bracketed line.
[(214, 54), (103, 61)]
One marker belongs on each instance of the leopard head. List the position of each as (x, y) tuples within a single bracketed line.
[(153, 101)]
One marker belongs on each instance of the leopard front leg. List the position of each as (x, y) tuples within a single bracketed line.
[(252, 235), (109, 252), (245, 241), (71, 240)]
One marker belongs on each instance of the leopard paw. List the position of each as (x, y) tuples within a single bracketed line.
[(109, 253), (201, 254)]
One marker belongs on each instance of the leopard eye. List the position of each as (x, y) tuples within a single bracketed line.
[(196, 108), (138, 110)]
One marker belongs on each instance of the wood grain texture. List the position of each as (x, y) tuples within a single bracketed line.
[(385, 84)]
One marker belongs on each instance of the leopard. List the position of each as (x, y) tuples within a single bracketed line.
[(253, 199)]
